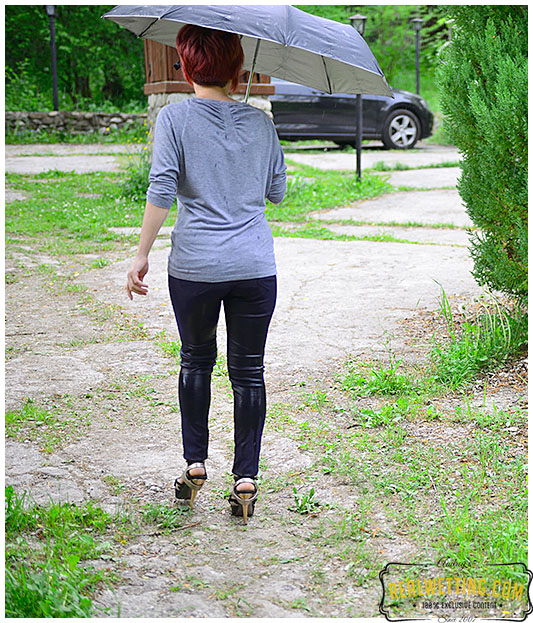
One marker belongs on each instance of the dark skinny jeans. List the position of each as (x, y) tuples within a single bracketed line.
[(248, 308)]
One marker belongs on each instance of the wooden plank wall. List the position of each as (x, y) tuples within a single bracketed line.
[(161, 77)]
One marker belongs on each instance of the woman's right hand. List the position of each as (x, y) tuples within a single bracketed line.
[(136, 276)]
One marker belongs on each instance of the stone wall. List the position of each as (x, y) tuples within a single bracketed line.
[(73, 122), (85, 122)]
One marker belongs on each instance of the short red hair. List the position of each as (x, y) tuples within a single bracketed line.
[(210, 57)]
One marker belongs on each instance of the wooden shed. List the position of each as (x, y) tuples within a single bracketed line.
[(161, 77)]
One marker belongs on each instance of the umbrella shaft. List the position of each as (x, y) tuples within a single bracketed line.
[(252, 71)]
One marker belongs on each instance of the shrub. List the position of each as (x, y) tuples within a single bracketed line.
[(136, 183), (483, 82)]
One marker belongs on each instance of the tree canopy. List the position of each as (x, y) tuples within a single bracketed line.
[(100, 63), (97, 61)]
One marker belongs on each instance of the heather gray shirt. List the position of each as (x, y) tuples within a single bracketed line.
[(221, 159)]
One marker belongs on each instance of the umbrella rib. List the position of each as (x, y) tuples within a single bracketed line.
[(327, 75), (148, 27)]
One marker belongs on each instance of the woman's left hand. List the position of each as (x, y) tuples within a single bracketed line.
[(136, 276)]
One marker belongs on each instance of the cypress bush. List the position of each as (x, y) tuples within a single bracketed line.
[(483, 84)]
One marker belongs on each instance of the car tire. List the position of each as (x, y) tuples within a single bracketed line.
[(401, 130)]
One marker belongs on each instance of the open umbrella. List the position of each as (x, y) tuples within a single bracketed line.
[(278, 40)]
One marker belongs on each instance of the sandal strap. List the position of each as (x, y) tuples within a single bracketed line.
[(237, 494), (188, 478)]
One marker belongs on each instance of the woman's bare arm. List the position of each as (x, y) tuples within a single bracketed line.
[(153, 219)]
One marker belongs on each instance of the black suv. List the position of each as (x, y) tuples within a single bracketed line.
[(303, 113)]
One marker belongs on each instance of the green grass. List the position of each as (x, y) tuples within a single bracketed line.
[(49, 550), (50, 426), (413, 224), (453, 496), (69, 213), (399, 166), (318, 232), (59, 206), (305, 503), (167, 519), (171, 348), (388, 380), (471, 347), (310, 189), (493, 337)]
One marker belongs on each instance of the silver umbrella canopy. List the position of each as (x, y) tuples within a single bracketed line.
[(278, 40)]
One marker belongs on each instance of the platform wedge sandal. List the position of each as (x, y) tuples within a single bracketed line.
[(189, 485), (243, 502)]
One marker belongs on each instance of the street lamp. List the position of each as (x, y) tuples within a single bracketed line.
[(359, 23), (417, 25), (51, 12)]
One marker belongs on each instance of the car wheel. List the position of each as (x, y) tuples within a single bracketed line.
[(401, 130)]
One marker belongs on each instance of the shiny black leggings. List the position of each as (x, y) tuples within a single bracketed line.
[(248, 308)]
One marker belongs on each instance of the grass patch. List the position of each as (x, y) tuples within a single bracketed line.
[(63, 219), (318, 232), (69, 213), (465, 497), (495, 336), (49, 550), (399, 166), (50, 426), (310, 189), (413, 224), (367, 380), (167, 519), (136, 183), (171, 348), (305, 503)]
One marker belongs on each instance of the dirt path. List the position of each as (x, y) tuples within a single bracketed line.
[(98, 359)]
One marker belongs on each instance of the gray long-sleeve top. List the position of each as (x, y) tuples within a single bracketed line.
[(221, 159)]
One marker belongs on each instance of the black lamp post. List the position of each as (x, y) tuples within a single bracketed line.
[(359, 23), (417, 25), (51, 12)]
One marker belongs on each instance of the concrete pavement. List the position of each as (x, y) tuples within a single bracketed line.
[(335, 297)]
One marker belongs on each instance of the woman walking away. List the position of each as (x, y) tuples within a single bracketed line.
[(221, 158)]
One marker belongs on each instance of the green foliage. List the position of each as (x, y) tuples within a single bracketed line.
[(136, 183), (483, 82), (71, 207), (97, 61), (495, 336), (20, 91), (391, 37)]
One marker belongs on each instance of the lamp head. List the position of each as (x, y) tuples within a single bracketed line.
[(359, 23), (417, 23), (50, 10)]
